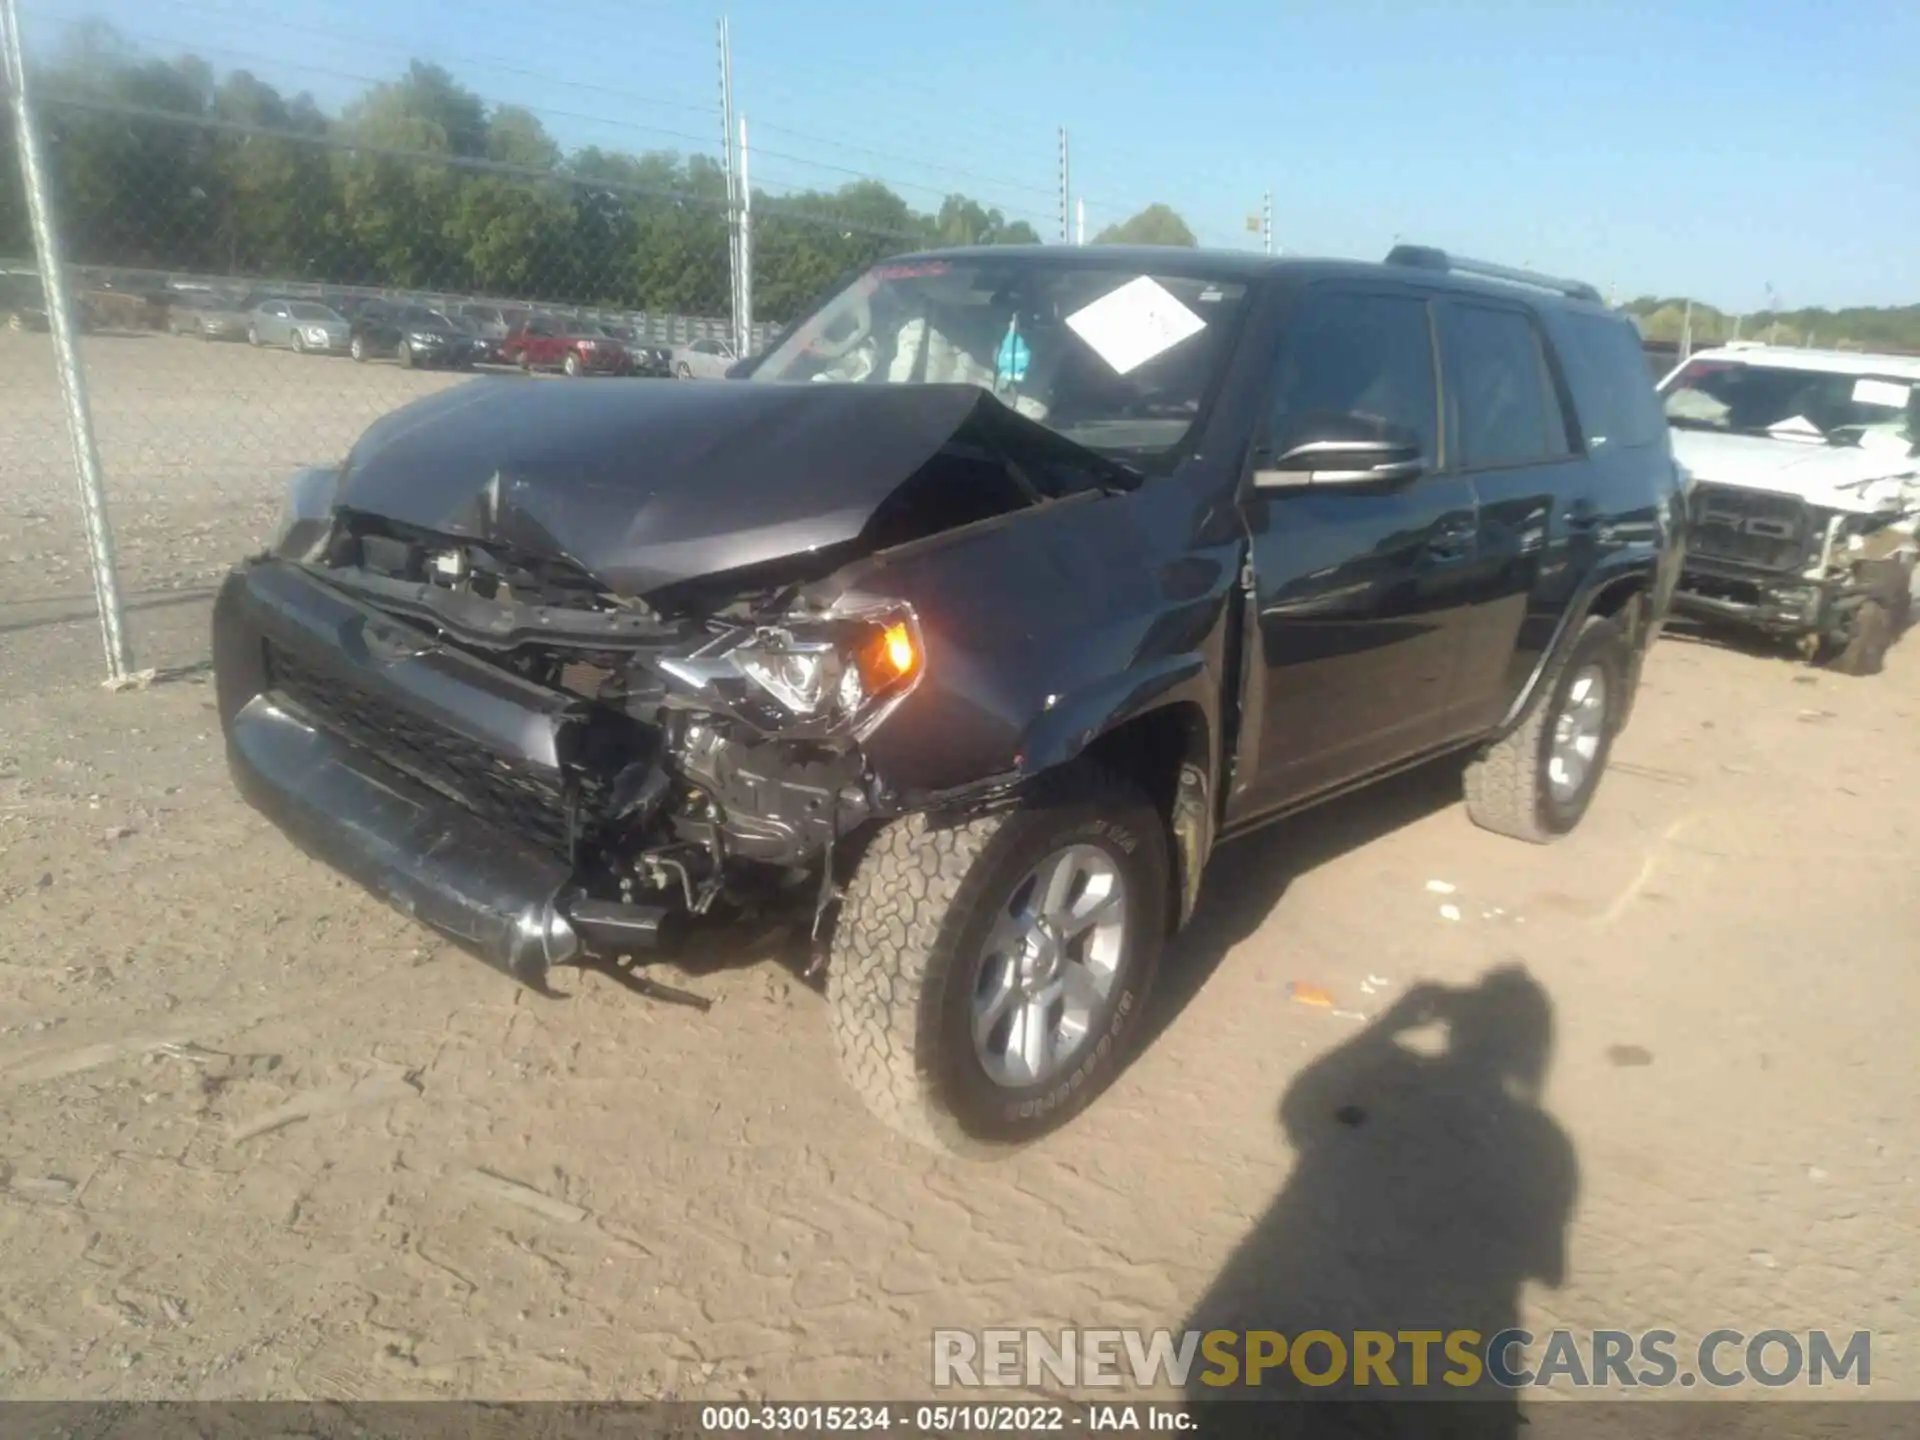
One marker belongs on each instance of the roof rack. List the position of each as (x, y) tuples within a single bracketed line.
[(1427, 257)]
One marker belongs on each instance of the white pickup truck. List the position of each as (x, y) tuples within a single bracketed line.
[(1804, 496)]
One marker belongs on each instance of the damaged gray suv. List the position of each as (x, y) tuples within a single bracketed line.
[(968, 620)]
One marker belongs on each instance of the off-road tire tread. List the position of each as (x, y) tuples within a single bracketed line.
[(1503, 784), (892, 937), (1865, 652)]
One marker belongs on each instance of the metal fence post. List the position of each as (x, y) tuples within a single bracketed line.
[(745, 345), (66, 354)]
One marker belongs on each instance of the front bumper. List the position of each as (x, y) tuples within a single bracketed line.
[(506, 894), (498, 898), (447, 352), (1778, 604)]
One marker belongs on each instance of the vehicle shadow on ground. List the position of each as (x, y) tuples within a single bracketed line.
[(1754, 644), (1429, 1185), (1248, 877)]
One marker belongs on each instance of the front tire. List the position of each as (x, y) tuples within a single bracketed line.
[(1536, 783), (1879, 621), (987, 976), (357, 348), (253, 336), (571, 365), (299, 343)]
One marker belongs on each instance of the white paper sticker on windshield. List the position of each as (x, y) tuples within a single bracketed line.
[(1881, 392), (1129, 326)]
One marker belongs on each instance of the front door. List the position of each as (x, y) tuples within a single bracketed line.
[(1362, 612)]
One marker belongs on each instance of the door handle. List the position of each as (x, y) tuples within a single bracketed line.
[(1452, 542), (1582, 515)]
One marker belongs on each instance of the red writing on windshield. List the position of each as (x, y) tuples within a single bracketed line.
[(909, 272)]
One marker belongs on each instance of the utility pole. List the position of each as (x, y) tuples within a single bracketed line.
[(1686, 334), (733, 190), (1063, 185), (66, 353), (1266, 221), (746, 249)]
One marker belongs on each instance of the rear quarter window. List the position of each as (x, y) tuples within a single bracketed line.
[(1613, 390)]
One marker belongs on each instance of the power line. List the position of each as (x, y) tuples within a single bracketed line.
[(395, 46), (303, 67), (348, 145)]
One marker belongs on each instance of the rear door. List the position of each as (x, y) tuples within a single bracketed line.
[(1361, 621), (1516, 442)]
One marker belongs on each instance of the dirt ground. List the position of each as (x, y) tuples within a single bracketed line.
[(265, 1138)]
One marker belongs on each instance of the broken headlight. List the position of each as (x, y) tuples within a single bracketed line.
[(839, 670), (305, 514), (816, 674)]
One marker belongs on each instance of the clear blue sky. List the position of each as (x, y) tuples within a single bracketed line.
[(1704, 147)]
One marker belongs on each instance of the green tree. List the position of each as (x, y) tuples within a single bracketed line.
[(1156, 225)]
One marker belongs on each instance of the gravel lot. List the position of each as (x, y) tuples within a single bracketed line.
[(265, 1138)]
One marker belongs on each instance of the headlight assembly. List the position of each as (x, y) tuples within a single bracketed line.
[(305, 514), (823, 675)]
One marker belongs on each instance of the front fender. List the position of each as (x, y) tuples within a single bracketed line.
[(1641, 574), (1070, 723)]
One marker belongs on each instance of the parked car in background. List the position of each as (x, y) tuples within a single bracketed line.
[(649, 360), (304, 326), (207, 315), (491, 322), (703, 360), (573, 347), (414, 335), (1805, 496)]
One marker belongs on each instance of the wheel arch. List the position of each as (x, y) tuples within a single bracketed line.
[(1622, 592), (1159, 728)]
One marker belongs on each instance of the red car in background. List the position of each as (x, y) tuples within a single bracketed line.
[(575, 347)]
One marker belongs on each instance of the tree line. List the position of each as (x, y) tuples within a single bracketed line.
[(1883, 328), (421, 184)]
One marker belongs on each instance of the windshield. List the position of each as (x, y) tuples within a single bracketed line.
[(1111, 358), (307, 310), (1813, 406)]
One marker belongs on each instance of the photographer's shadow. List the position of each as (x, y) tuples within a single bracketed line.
[(1429, 1185)]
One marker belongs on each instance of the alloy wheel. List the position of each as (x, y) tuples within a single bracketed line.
[(1049, 965)]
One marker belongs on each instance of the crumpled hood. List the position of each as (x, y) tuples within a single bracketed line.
[(1833, 477), (645, 483)]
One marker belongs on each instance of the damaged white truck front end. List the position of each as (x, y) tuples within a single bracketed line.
[(1804, 497)]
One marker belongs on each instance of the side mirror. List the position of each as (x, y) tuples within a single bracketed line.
[(1344, 450)]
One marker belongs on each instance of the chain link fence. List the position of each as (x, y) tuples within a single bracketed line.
[(253, 282)]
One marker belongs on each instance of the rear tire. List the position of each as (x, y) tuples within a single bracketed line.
[(253, 336), (1536, 783), (571, 365), (922, 979), (683, 370), (299, 343), (357, 348)]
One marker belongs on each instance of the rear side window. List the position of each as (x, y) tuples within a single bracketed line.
[(1612, 388), (1503, 398)]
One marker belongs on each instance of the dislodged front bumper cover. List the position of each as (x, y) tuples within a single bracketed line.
[(421, 853), (509, 900)]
